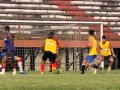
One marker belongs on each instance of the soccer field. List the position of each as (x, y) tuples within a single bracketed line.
[(65, 81)]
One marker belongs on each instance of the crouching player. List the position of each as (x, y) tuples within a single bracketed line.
[(106, 53), (50, 51)]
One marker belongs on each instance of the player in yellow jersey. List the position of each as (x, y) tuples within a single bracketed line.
[(50, 51), (92, 44), (106, 53)]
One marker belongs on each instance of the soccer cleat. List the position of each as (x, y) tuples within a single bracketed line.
[(82, 72), (1, 73), (95, 71), (14, 71), (109, 68), (23, 72), (42, 73), (83, 68)]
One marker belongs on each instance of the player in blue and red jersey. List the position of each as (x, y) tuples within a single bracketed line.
[(8, 50)]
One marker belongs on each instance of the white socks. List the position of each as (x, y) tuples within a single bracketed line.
[(20, 66), (14, 71)]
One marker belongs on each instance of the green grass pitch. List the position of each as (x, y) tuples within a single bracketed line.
[(66, 81)]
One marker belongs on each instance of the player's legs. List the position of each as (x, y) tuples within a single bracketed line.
[(11, 63), (111, 59), (44, 58), (1, 57), (4, 60), (57, 65), (56, 62), (16, 58), (19, 62), (98, 62), (52, 58), (50, 65), (12, 59), (42, 66), (84, 63), (87, 62)]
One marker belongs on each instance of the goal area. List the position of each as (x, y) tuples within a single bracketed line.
[(72, 36)]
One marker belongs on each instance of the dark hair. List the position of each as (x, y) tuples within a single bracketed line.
[(91, 32), (51, 34), (104, 37), (7, 28)]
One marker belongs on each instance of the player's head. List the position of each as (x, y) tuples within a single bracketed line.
[(103, 38), (7, 29), (91, 32), (51, 35)]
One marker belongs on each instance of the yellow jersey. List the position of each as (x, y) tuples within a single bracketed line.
[(50, 45), (93, 49), (105, 48)]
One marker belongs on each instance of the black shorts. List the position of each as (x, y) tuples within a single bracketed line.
[(106, 58), (49, 55)]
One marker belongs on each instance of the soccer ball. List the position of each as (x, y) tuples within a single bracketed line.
[(58, 71)]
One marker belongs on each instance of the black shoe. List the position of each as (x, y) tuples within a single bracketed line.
[(50, 70), (82, 73), (23, 72)]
